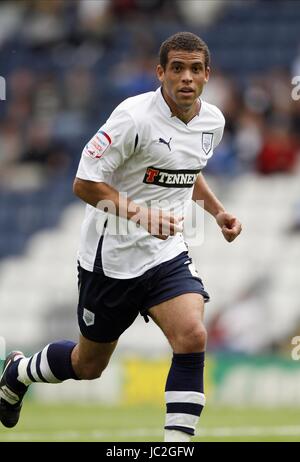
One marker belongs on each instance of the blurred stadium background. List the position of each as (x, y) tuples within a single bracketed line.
[(66, 65)]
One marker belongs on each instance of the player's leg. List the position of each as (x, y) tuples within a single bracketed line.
[(181, 320), (55, 363), (111, 310), (89, 358)]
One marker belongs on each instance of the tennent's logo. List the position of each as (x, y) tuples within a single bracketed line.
[(170, 178), (2, 89)]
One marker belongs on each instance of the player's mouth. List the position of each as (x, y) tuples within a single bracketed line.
[(188, 91)]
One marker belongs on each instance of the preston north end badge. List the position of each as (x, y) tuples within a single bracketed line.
[(207, 142)]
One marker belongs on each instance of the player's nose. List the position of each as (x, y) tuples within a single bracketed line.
[(187, 76)]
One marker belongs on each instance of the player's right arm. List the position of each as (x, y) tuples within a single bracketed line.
[(106, 198), (112, 145)]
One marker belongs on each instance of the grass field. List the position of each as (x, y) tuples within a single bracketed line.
[(98, 423)]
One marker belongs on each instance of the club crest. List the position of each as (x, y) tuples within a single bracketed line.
[(88, 317), (207, 142)]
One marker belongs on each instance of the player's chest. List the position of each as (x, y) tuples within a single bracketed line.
[(176, 146)]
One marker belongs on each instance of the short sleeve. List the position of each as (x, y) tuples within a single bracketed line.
[(218, 133), (109, 148)]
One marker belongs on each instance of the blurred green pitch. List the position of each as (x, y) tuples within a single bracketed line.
[(144, 423)]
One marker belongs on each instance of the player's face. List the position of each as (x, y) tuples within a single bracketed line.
[(184, 77)]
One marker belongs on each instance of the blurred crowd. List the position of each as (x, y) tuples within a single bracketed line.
[(68, 63), (262, 124)]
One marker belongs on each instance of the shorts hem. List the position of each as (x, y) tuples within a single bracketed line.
[(169, 297), (97, 340)]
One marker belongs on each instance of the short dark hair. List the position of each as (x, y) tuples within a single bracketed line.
[(186, 41)]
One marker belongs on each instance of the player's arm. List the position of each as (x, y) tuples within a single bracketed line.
[(106, 198), (229, 224), (107, 151)]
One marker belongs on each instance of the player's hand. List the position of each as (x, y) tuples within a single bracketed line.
[(168, 225), (229, 224), (162, 223)]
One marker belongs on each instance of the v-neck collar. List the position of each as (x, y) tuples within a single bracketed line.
[(167, 110)]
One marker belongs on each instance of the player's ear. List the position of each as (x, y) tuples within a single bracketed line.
[(207, 73), (160, 73)]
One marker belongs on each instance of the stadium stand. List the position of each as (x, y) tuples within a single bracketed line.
[(46, 279), (63, 79)]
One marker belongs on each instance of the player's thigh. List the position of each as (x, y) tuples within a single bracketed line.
[(106, 308), (180, 317)]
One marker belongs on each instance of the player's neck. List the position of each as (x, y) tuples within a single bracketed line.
[(185, 115)]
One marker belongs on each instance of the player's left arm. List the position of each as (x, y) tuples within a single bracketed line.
[(229, 224)]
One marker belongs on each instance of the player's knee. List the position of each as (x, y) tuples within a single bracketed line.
[(92, 374), (191, 340), (91, 370)]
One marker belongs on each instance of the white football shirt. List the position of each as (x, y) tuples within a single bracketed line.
[(150, 155)]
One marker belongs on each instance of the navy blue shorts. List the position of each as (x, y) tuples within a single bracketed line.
[(108, 306)]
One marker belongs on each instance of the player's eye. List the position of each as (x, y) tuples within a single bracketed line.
[(177, 68)]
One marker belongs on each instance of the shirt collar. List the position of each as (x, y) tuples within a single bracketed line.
[(165, 107), (162, 103)]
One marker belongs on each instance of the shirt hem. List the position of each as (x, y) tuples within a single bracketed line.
[(118, 275)]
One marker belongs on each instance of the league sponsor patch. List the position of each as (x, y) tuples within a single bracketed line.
[(97, 146), (170, 178)]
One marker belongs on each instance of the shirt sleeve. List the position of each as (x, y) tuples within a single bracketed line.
[(109, 148), (218, 133)]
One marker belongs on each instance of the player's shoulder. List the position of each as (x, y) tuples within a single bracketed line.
[(213, 112), (137, 106)]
